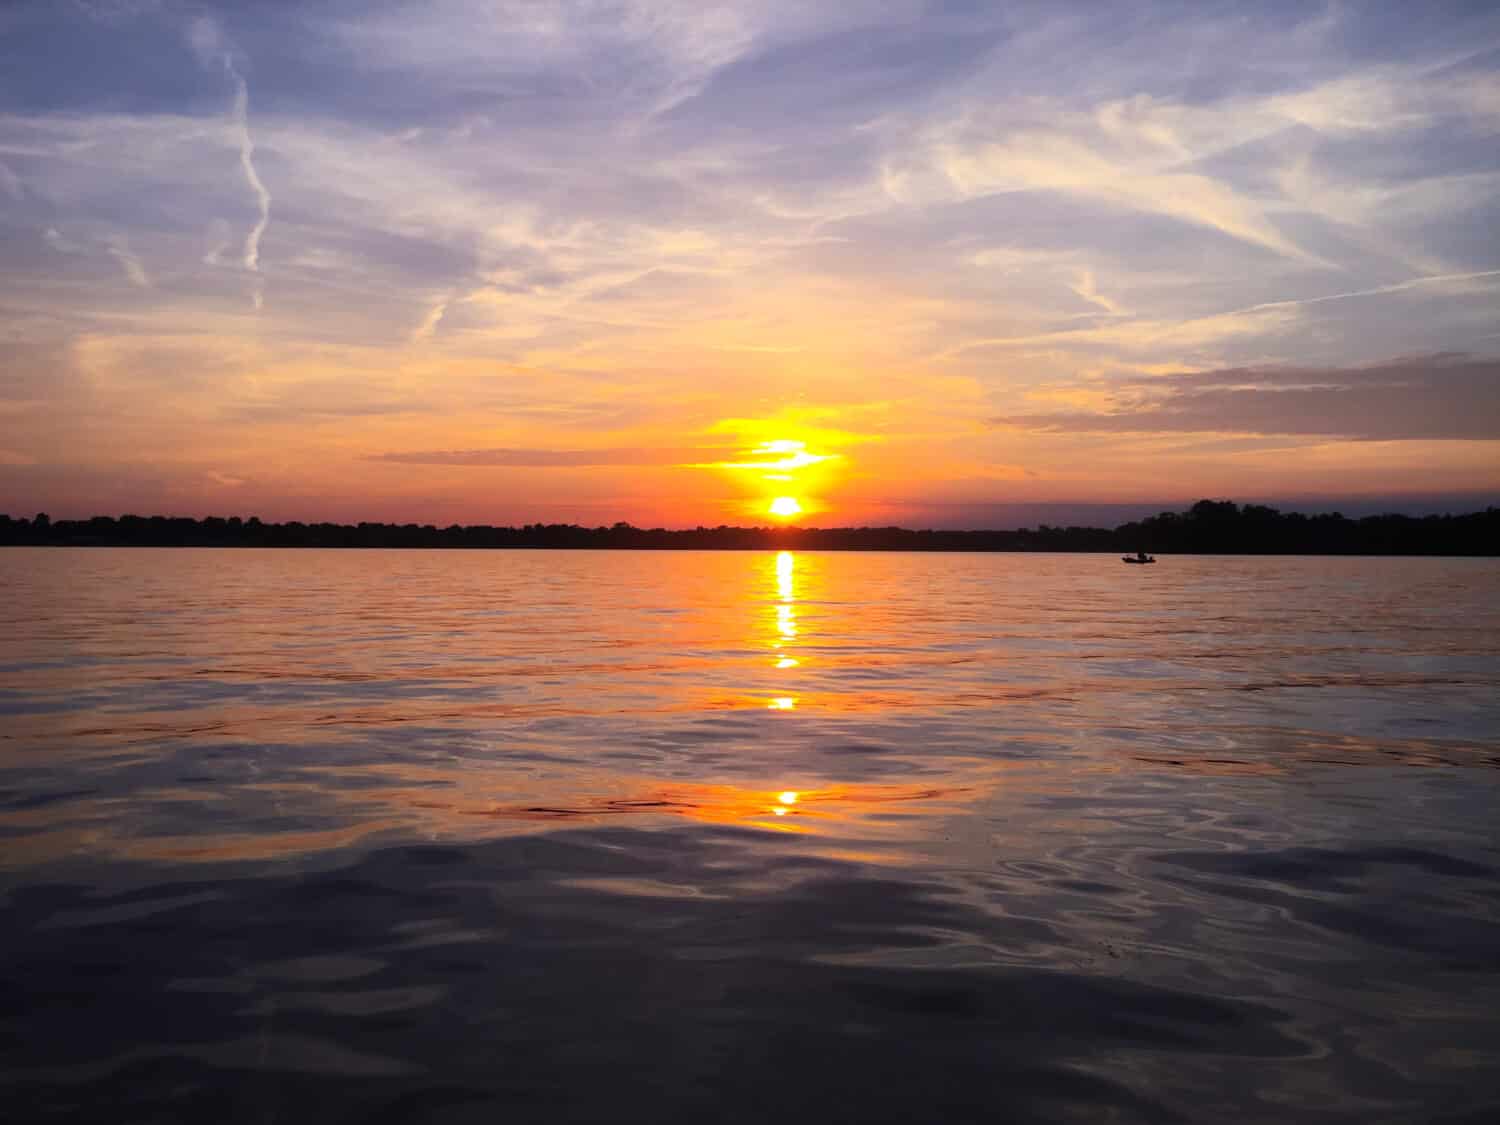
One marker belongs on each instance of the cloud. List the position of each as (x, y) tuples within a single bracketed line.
[(1048, 161), (55, 239), (434, 317), (781, 455), (206, 38), (217, 241), (119, 249), (1086, 288), (212, 47), (1431, 398), (1147, 335), (1264, 319), (118, 11), (623, 220), (1452, 279), (247, 162), (550, 458)]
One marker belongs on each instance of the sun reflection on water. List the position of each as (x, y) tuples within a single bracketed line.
[(414, 802), (785, 611), (786, 564)]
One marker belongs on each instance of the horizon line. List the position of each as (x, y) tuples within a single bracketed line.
[(623, 526)]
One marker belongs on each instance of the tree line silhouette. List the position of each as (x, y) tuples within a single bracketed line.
[(1208, 527)]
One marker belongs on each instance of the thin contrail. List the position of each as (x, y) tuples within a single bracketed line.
[(1396, 288), (247, 162)]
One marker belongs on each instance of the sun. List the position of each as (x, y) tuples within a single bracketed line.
[(786, 507)]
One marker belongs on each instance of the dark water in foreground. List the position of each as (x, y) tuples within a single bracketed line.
[(513, 836)]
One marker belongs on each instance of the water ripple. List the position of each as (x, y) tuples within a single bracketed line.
[(679, 837)]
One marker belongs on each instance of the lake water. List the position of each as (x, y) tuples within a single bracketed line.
[(569, 836)]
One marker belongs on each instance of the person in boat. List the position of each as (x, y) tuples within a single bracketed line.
[(1141, 556)]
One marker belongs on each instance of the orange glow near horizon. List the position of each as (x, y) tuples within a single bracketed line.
[(734, 307), (783, 460), (779, 458)]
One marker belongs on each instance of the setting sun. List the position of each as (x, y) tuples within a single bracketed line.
[(785, 507)]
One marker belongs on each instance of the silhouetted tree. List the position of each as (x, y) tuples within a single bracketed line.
[(1214, 526)]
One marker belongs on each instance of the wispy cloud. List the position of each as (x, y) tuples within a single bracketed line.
[(1089, 291), (1145, 334), (512, 234), (208, 41), (217, 242), (118, 248), (1380, 290), (247, 162), (1433, 398), (59, 242), (1042, 161), (10, 183), (1258, 319), (434, 317), (549, 458)]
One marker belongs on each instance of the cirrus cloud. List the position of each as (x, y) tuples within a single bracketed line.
[(1430, 398)]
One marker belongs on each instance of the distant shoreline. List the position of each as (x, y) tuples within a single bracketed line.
[(1208, 527)]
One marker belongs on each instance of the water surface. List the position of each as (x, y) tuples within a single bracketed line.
[(580, 836)]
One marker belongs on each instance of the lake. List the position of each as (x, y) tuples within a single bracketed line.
[(613, 836)]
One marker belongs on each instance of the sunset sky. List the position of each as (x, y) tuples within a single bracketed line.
[(952, 264)]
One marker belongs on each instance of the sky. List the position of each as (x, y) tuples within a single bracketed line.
[(935, 264)]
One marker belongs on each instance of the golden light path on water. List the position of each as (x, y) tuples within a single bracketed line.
[(464, 696), (786, 626), (497, 795)]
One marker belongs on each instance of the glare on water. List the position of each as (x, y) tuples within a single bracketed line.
[(1204, 799)]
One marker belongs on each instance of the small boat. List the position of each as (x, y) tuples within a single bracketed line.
[(1140, 560)]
